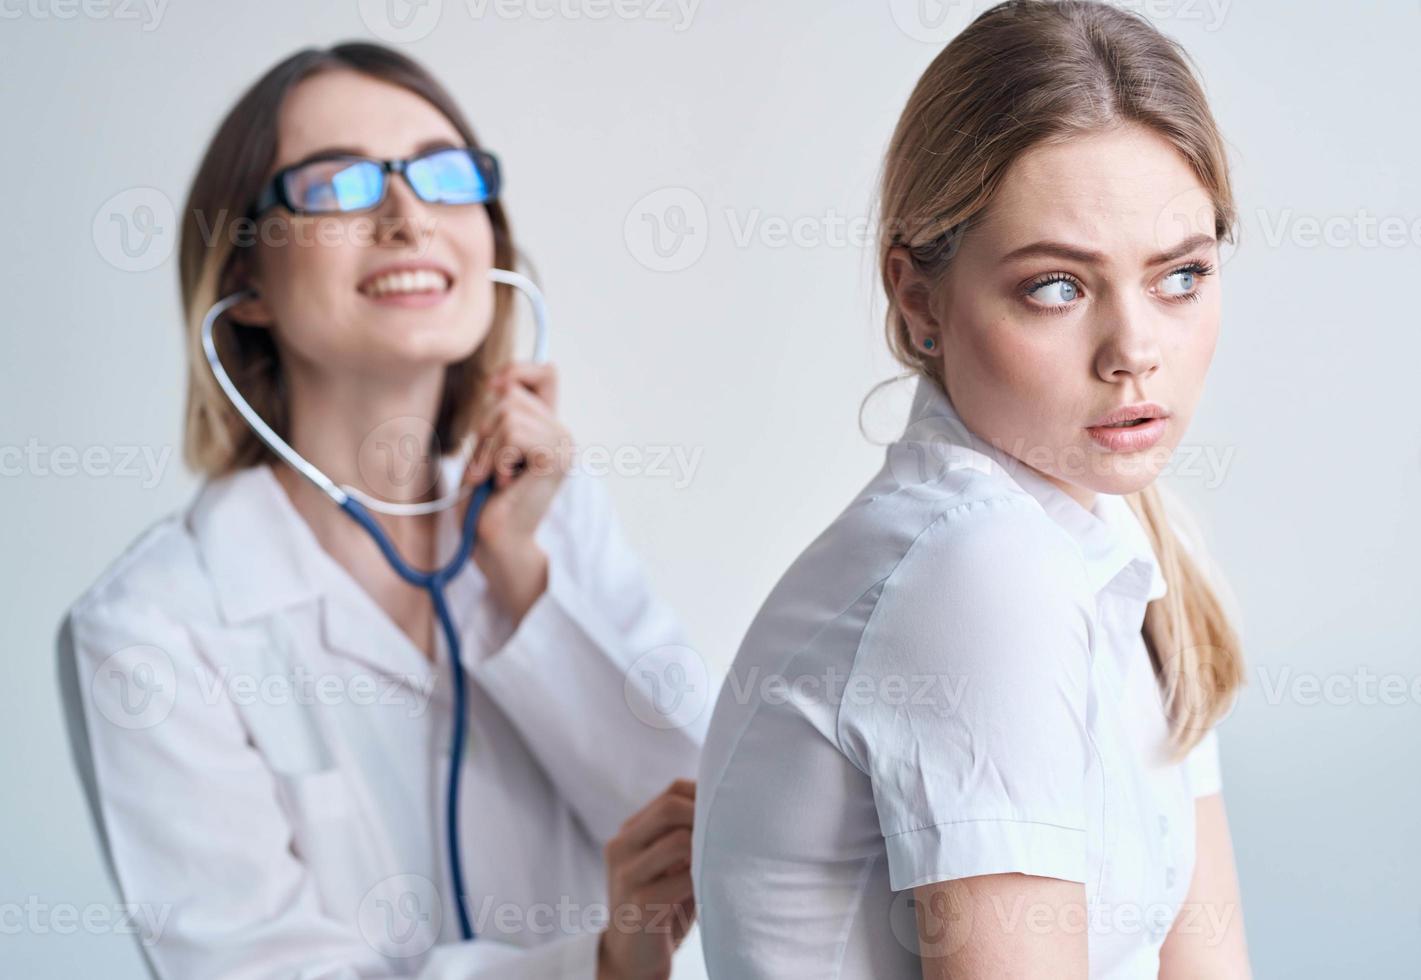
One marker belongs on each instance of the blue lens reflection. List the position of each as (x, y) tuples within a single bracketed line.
[(353, 187), (448, 177)]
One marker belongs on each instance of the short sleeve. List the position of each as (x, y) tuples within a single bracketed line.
[(1201, 766), (966, 705)]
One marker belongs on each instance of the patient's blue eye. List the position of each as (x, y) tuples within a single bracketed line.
[(1054, 291), (1185, 282)]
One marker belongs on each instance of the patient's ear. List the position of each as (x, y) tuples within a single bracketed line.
[(913, 294)]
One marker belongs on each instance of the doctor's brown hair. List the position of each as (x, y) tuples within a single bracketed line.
[(1029, 72), (215, 256)]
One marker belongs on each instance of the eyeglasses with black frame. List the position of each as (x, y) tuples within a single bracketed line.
[(341, 183)]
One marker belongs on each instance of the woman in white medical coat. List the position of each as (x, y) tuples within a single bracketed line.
[(971, 732), (261, 707)]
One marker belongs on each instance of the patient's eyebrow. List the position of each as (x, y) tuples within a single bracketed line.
[(1075, 253)]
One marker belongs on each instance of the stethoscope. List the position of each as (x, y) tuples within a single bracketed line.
[(359, 505)]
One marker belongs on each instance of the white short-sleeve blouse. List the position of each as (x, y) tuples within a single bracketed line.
[(950, 681)]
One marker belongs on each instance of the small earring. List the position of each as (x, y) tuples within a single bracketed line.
[(929, 343)]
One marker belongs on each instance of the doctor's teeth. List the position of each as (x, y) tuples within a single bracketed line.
[(416, 281)]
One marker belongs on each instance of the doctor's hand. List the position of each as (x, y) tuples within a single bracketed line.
[(528, 452), (649, 888)]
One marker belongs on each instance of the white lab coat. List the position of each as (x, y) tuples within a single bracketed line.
[(265, 751)]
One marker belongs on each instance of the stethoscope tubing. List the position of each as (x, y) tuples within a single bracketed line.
[(359, 507), (433, 583)]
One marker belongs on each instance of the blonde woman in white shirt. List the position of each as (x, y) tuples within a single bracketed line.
[(970, 733), (261, 707)]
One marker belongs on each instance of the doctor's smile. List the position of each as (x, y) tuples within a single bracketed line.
[(416, 284)]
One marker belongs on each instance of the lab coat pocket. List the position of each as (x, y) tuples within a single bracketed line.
[(325, 836), (311, 797)]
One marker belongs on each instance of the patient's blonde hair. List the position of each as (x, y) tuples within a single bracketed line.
[(1029, 72)]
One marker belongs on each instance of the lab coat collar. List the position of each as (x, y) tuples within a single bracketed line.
[(263, 557), (258, 561), (355, 625), (1114, 544)]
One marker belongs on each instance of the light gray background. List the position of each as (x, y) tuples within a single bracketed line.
[(762, 126)]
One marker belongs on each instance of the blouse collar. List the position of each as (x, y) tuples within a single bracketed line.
[(1111, 539)]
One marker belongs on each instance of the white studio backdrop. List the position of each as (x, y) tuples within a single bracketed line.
[(693, 182)]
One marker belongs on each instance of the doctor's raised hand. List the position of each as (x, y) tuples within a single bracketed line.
[(528, 451)]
